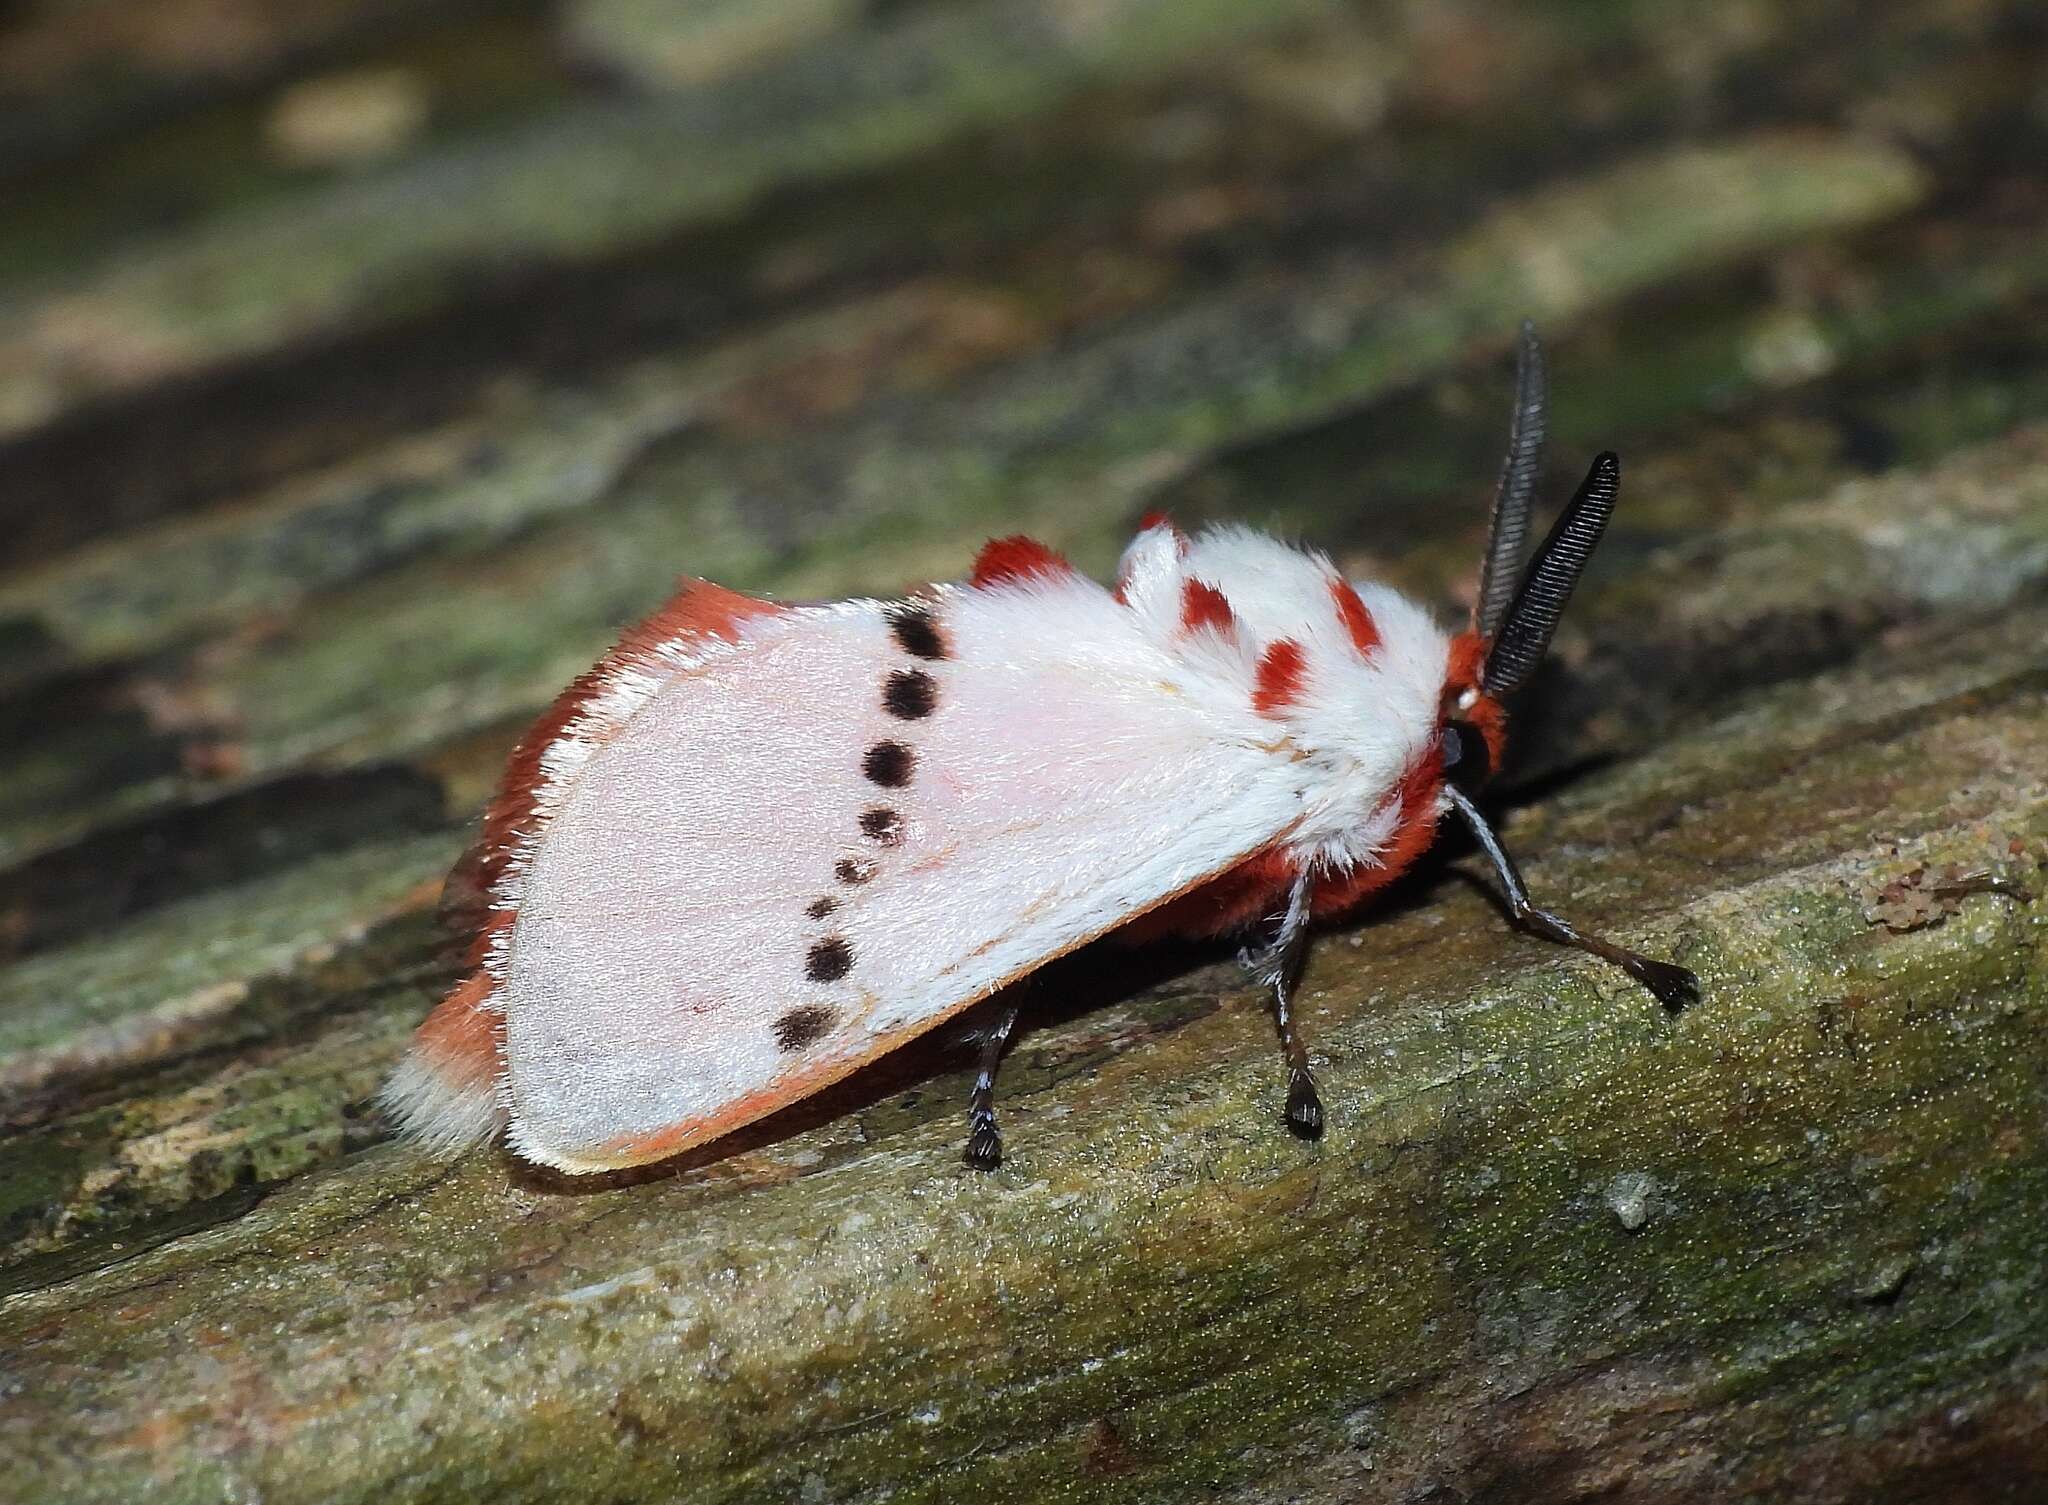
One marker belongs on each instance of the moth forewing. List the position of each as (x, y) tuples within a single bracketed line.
[(734, 905)]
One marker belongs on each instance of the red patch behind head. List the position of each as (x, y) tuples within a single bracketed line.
[(1282, 668), (1468, 662), (1005, 560), (1485, 715), (1358, 622)]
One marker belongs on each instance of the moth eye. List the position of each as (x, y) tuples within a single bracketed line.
[(1467, 760)]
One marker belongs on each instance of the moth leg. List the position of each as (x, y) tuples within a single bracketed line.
[(1675, 986), (1280, 963), (984, 1143)]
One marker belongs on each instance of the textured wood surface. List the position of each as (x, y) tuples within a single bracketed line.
[(364, 366)]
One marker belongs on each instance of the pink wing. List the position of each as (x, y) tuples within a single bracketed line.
[(796, 851)]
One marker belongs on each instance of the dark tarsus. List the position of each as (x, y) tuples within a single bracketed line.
[(984, 1143)]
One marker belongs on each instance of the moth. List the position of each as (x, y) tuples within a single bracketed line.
[(759, 844)]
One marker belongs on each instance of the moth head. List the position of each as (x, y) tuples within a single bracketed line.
[(1471, 724), (1518, 605)]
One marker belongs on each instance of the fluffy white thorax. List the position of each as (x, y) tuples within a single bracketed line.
[(1360, 719)]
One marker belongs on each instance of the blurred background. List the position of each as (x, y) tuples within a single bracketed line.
[(366, 365)]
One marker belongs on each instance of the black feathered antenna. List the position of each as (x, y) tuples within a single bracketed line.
[(1540, 599), (1507, 535)]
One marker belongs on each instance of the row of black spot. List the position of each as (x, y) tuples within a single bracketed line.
[(907, 695)]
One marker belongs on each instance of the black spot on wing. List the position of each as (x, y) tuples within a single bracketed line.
[(817, 909), (803, 1027), (910, 694), (889, 764), (829, 960), (853, 871), (916, 633), (883, 825)]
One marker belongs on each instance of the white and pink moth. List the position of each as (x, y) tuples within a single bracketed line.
[(758, 845)]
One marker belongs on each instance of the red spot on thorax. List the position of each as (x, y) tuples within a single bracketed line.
[(1003, 560), (1282, 668), (1202, 605), (1358, 622), (1156, 519)]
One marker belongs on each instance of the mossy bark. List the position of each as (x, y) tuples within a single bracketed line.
[(307, 524)]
